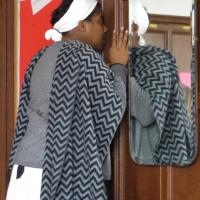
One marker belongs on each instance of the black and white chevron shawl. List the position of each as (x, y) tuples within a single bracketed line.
[(84, 113), (156, 72)]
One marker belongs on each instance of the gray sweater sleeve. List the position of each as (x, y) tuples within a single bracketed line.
[(140, 104), (120, 74)]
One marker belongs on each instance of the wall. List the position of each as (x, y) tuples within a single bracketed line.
[(166, 7)]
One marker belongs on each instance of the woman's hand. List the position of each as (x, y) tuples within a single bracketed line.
[(119, 49)]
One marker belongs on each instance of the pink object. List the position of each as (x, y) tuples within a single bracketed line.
[(185, 78)]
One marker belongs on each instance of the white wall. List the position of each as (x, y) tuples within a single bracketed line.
[(168, 7)]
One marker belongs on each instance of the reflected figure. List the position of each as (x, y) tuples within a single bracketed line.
[(160, 129)]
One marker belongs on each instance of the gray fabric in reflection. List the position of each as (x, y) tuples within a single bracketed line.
[(144, 132)]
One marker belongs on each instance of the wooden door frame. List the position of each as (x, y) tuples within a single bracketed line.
[(7, 87), (3, 59)]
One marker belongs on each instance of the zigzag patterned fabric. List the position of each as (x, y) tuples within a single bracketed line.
[(84, 113), (156, 72)]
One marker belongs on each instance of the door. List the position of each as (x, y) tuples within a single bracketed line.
[(137, 182)]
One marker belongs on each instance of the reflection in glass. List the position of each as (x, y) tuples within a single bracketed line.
[(162, 95)]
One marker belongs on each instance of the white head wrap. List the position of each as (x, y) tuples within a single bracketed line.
[(139, 16), (78, 10)]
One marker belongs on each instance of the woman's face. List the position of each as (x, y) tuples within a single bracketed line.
[(96, 31)]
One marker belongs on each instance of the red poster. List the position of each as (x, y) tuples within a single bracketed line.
[(32, 30)]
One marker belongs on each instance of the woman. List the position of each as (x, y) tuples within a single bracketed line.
[(69, 109)]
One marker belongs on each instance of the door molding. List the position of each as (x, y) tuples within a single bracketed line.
[(7, 85)]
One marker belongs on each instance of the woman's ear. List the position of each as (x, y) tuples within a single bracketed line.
[(81, 26)]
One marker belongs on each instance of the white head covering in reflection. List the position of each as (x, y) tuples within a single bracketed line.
[(139, 16), (78, 10)]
